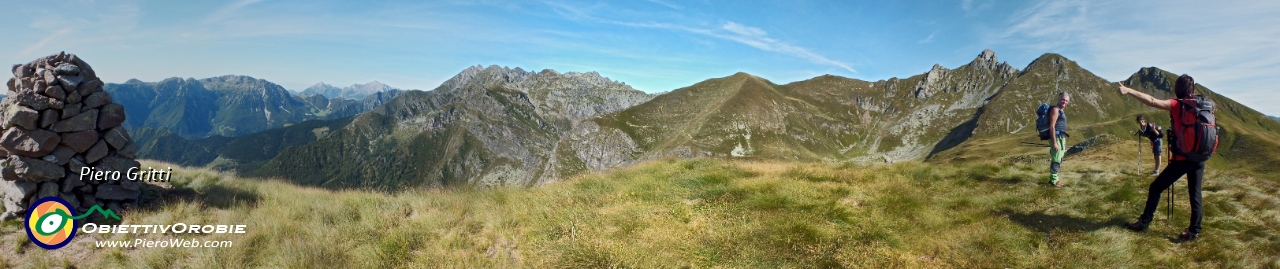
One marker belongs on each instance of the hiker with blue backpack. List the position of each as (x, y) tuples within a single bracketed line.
[(1052, 124), (1193, 139)]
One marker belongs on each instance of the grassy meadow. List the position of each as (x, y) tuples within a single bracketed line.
[(705, 213)]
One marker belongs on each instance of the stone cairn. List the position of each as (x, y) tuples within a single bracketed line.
[(55, 120)]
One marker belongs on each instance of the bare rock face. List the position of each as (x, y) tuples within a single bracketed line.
[(54, 121)]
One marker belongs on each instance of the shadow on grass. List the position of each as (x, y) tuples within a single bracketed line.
[(1044, 223), (213, 195)]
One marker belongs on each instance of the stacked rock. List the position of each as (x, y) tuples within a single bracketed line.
[(54, 121)]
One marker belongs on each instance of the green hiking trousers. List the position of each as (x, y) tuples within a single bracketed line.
[(1055, 158)]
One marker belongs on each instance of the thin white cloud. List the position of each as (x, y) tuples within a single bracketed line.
[(666, 4), (227, 11), (928, 39), (972, 7), (732, 31), (40, 45), (1229, 46)]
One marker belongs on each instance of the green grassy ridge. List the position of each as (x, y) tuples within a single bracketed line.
[(707, 213)]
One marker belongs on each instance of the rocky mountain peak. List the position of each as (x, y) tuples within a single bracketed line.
[(933, 81), (987, 60)]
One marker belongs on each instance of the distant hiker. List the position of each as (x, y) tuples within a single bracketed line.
[(1153, 133), (1058, 137), (1193, 140)]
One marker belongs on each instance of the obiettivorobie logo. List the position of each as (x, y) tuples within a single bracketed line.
[(51, 221)]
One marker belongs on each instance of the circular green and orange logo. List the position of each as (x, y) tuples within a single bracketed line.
[(50, 224)]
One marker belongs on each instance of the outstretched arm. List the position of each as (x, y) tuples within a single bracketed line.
[(1146, 99)]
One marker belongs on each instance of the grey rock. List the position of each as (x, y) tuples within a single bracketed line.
[(71, 182), (89, 87), (22, 85), (97, 99), (96, 152), (36, 143), (70, 198), (88, 199), (47, 189), (80, 141), (48, 118), (130, 184), (20, 116), (62, 155), (110, 116), (70, 82), (67, 69), (40, 86), (6, 170), (117, 163), (71, 109), (23, 71), (18, 188), (13, 197), (86, 120), (85, 69), (73, 97), (35, 170), (36, 101), (55, 92), (75, 164), (115, 193), (12, 83), (116, 137), (130, 150), (49, 77)]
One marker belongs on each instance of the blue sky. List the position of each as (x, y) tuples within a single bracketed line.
[(1230, 46)]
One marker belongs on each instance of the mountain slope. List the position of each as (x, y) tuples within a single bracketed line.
[(1248, 143), (249, 105), (227, 105), (481, 127), (498, 126), (183, 106), (241, 153), (1248, 140), (824, 118)]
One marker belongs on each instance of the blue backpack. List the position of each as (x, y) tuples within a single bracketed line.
[(1042, 121)]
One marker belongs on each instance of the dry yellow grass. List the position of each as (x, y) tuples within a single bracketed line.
[(703, 213)]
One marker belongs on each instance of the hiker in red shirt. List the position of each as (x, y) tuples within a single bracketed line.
[(1183, 162)]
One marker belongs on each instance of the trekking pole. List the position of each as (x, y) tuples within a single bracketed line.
[(1169, 217), (1139, 154)]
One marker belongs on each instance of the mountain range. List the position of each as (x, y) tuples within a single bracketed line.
[(502, 126), (353, 92), (484, 126), (227, 105)]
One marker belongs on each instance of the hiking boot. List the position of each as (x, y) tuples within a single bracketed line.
[(1137, 226), (1188, 236)]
